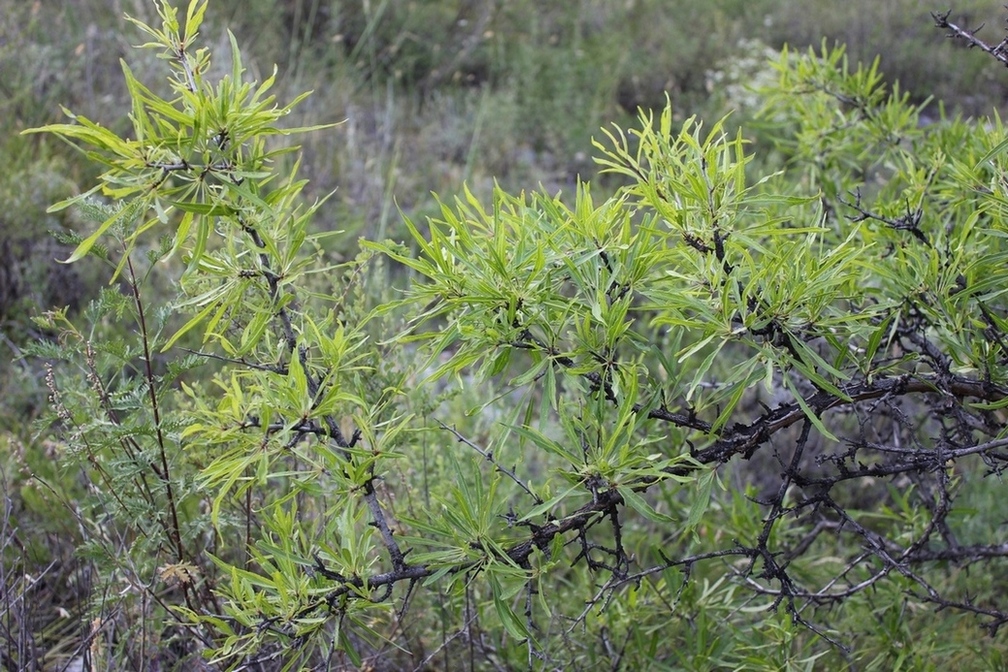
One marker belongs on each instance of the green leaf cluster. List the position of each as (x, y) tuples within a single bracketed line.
[(600, 363)]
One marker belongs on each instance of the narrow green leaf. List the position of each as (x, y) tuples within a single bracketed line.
[(641, 506), (126, 212), (807, 410), (188, 326), (701, 501)]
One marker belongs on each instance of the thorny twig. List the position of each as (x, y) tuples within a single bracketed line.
[(999, 51)]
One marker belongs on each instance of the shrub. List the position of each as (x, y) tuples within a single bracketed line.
[(720, 419)]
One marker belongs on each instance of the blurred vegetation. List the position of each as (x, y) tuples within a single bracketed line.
[(437, 93), (432, 94)]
